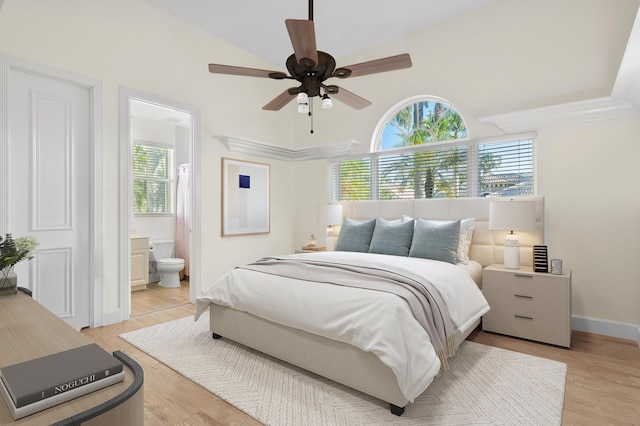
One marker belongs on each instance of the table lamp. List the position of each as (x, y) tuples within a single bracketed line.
[(509, 216), (329, 215)]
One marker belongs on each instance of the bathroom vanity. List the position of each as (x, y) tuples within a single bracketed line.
[(139, 262)]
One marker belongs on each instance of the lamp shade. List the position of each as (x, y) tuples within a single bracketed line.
[(512, 215), (330, 214)]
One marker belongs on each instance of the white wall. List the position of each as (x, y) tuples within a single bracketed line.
[(592, 202), (129, 43)]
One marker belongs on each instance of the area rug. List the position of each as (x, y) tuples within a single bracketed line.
[(483, 386)]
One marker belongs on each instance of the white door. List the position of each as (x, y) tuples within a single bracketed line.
[(49, 189)]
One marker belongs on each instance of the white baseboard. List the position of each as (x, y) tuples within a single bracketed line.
[(606, 327)]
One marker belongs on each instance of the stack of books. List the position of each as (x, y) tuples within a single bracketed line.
[(37, 384)]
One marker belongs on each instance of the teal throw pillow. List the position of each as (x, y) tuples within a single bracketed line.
[(435, 241), (355, 236), (391, 237)]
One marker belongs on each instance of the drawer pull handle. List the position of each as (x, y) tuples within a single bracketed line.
[(523, 296), (523, 275), (523, 317)]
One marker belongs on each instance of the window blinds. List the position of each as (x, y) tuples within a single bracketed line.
[(153, 172), (460, 169)]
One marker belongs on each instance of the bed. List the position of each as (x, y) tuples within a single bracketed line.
[(393, 356)]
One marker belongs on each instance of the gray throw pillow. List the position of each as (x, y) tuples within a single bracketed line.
[(391, 237), (435, 241), (355, 236)]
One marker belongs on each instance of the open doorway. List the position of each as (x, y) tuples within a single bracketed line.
[(157, 203)]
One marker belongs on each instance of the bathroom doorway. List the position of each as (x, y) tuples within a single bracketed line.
[(160, 206)]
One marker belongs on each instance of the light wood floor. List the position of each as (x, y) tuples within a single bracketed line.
[(156, 298), (603, 379)]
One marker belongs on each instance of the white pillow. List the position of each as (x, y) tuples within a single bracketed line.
[(464, 241), (463, 256)]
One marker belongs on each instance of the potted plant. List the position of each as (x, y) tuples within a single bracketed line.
[(11, 252)]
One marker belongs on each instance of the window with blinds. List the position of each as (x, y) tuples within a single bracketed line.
[(351, 179), (439, 170), (153, 177), (421, 150), (496, 169), (505, 169)]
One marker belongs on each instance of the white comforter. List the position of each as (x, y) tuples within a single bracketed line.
[(373, 321)]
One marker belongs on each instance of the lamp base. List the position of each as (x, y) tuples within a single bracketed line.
[(512, 252), (330, 241)]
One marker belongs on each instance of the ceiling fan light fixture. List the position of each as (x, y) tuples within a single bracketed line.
[(303, 108), (302, 98), (326, 102)]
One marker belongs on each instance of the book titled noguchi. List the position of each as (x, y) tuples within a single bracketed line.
[(41, 378)]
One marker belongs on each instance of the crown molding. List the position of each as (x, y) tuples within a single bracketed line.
[(624, 101), (261, 149), (569, 114), (627, 85)]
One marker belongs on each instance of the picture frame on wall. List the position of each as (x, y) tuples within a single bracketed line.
[(245, 198)]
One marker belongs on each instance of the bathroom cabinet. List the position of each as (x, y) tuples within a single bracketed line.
[(139, 262)]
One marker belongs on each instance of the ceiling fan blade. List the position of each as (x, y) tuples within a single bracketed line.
[(248, 72), (303, 39), (390, 63), (279, 101), (350, 99)]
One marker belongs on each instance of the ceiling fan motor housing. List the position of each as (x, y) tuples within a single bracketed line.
[(312, 76)]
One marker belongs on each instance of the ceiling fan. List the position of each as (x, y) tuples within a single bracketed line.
[(311, 68)]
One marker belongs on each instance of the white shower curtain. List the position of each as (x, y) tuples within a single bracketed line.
[(183, 221)]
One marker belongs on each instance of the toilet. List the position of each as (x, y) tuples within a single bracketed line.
[(161, 260)]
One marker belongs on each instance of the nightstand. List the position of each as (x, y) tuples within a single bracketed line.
[(316, 250), (527, 304)]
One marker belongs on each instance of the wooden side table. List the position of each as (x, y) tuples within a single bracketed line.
[(28, 330), (527, 304)]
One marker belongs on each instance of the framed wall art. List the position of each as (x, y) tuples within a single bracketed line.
[(245, 197)]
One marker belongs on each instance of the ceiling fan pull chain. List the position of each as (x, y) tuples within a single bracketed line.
[(311, 110)]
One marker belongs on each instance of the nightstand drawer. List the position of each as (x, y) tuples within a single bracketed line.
[(526, 284), (528, 304), (533, 329), (537, 308)]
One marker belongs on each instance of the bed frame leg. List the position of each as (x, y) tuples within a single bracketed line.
[(396, 410), (216, 336)]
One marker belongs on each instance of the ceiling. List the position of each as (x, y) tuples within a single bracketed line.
[(342, 26)]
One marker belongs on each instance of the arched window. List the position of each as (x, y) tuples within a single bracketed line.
[(418, 121), (421, 149)]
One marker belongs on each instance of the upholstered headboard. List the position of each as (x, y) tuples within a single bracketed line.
[(487, 246)]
